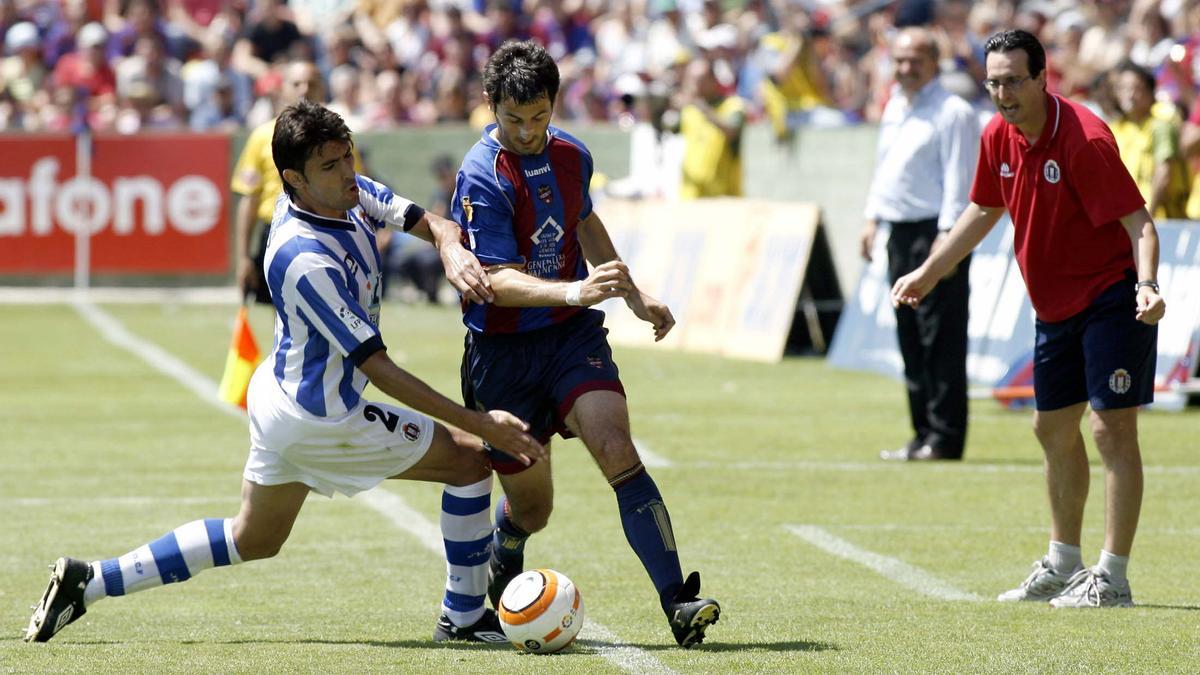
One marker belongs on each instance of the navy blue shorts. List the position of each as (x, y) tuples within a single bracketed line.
[(538, 375), (1101, 355)]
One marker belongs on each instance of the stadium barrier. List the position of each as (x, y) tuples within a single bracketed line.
[(1000, 328), (743, 278)]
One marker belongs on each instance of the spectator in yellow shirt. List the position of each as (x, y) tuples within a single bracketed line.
[(1148, 139), (711, 125)]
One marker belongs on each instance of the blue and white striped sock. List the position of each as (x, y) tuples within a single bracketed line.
[(467, 534), (176, 556)]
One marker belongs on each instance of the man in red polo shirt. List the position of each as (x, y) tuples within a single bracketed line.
[(1088, 251)]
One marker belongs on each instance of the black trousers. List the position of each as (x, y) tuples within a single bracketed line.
[(933, 342)]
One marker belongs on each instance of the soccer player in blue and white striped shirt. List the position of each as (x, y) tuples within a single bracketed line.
[(310, 428)]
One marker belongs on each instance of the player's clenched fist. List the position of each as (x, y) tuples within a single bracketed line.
[(608, 280)]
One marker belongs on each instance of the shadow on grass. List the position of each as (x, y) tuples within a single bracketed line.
[(592, 645), (1189, 608)]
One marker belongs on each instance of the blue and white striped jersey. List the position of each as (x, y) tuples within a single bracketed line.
[(325, 278)]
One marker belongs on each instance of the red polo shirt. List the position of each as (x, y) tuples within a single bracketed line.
[(1065, 195)]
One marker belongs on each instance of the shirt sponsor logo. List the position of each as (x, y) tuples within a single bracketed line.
[(549, 231), (1006, 171), (1051, 171), (349, 318), (530, 173)]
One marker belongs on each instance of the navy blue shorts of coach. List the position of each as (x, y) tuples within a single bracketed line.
[(538, 375), (1102, 355)]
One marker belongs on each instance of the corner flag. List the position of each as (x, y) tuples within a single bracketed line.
[(240, 364)]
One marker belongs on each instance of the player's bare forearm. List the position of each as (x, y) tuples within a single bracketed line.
[(970, 229), (597, 246), (1144, 238), (463, 270), (498, 427), (514, 288)]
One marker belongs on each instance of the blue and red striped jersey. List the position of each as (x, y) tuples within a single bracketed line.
[(524, 210)]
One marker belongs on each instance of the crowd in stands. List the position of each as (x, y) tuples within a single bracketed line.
[(133, 65)]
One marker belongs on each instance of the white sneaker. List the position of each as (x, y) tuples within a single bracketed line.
[(1043, 583), (1093, 588)]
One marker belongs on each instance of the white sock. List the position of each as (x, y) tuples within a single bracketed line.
[(176, 556), (1064, 558), (1114, 566), (467, 534)]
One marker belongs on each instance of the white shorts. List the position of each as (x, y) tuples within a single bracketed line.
[(347, 454)]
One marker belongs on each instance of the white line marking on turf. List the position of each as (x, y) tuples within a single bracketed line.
[(394, 508), (896, 570), (650, 459), (158, 358), (936, 467), (391, 505)]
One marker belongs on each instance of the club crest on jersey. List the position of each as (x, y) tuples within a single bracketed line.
[(1120, 381), (1006, 171), (411, 431), (545, 193), (550, 230), (468, 210), (1051, 171)]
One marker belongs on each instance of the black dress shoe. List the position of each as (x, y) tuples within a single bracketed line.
[(922, 453)]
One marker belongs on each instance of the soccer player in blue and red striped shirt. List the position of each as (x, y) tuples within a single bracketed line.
[(538, 350)]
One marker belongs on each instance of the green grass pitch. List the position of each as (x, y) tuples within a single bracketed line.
[(101, 453)]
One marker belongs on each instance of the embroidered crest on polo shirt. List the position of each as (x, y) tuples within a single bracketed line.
[(1006, 171), (1120, 381), (1051, 171)]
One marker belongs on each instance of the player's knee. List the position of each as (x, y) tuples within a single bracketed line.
[(615, 453), (532, 517)]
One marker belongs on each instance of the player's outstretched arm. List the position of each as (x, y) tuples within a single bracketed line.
[(970, 229), (463, 270), (599, 250), (497, 427)]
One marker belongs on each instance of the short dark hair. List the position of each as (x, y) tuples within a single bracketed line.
[(521, 72), (300, 130), (1142, 73), (1012, 40)]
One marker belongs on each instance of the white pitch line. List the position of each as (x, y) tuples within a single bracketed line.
[(896, 570), (651, 459), (389, 504), (158, 358), (936, 467)]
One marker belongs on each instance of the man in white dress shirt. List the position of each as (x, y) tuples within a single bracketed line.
[(928, 145)]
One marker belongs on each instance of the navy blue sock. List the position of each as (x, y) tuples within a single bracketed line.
[(648, 529), (508, 540)]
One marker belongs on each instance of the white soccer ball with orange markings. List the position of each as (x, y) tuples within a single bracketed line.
[(541, 611)]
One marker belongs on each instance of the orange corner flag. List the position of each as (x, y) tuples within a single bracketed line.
[(240, 364)]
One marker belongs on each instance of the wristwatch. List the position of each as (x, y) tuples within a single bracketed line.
[(1152, 284)]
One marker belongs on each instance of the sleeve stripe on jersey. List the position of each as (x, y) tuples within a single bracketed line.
[(364, 351)]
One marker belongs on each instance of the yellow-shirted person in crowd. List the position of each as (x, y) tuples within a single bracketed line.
[(1148, 138), (257, 184), (711, 124)]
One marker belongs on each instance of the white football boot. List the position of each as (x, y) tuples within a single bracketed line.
[(1094, 588), (1042, 584)]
